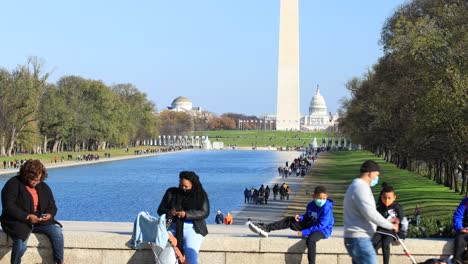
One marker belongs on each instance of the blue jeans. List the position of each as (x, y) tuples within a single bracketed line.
[(361, 250), (192, 242), (53, 232)]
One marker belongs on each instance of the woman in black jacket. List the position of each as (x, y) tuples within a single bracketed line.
[(29, 206), (188, 207)]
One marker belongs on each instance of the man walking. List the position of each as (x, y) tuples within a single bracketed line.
[(361, 217)]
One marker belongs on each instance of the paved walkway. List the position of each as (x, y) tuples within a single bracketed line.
[(67, 163)]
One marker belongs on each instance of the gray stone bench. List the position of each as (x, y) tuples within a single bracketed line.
[(109, 247)]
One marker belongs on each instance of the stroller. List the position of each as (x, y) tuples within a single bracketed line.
[(151, 233)]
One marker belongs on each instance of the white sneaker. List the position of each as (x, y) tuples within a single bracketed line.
[(263, 233), (256, 229)]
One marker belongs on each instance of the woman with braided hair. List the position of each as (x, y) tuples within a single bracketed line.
[(187, 206)]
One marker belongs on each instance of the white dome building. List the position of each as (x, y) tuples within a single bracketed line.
[(319, 118), (183, 104)]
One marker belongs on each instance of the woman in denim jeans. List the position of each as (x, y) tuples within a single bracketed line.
[(188, 207), (29, 207)]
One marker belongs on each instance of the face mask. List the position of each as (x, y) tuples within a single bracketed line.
[(320, 202), (387, 202), (185, 191), (374, 181)]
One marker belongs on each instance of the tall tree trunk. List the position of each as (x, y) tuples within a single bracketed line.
[(2, 146), (44, 147), (55, 146), (12, 141)]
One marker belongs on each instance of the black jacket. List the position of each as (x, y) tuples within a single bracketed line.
[(197, 216), (394, 210), (17, 203)]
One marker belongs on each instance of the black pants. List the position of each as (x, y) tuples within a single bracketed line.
[(290, 222), (384, 241), (460, 245)]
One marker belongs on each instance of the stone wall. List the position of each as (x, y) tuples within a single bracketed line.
[(101, 247)]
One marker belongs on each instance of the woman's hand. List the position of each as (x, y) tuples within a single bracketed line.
[(181, 214), (173, 212), (32, 218), (45, 217)]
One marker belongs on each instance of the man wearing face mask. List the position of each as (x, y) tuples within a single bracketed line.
[(314, 225), (361, 217)]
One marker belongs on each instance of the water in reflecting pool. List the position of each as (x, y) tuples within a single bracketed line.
[(117, 191)]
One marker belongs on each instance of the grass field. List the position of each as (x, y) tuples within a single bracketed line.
[(261, 138), (336, 170)]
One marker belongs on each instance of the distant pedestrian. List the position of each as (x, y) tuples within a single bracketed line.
[(228, 219), (275, 191), (246, 195), (267, 194), (219, 218), (4, 164), (417, 214)]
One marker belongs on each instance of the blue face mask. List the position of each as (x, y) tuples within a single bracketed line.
[(374, 181), (320, 202)]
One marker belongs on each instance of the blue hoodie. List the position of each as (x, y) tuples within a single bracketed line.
[(321, 218), (460, 216)]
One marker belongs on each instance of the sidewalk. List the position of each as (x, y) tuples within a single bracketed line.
[(67, 163)]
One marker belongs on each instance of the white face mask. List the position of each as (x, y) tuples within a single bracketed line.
[(374, 181)]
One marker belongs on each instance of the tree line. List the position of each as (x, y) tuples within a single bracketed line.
[(79, 114), (74, 114), (411, 107)]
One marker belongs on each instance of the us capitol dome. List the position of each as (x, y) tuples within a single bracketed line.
[(319, 118)]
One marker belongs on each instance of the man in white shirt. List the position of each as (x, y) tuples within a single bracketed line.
[(361, 217)]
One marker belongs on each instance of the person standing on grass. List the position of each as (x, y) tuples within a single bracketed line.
[(361, 217)]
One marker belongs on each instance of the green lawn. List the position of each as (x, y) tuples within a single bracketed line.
[(336, 170), (261, 138)]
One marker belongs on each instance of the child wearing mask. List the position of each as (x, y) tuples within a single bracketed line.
[(389, 209), (315, 224)]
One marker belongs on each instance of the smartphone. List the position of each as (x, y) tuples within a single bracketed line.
[(43, 215)]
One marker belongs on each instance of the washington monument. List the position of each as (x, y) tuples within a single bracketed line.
[(287, 107)]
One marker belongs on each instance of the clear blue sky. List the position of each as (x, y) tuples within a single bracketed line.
[(222, 54)]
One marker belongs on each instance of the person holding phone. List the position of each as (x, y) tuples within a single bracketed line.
[(187, 207), (29, 206)]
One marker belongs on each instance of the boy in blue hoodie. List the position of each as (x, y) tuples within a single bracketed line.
[(315, 224)]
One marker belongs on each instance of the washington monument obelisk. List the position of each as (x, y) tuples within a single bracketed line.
[(287, 107)]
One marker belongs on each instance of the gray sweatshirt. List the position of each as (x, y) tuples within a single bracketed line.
[(360, 215)]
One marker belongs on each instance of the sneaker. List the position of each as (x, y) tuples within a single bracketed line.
[(254, 228), (258, 229), (263, 233)]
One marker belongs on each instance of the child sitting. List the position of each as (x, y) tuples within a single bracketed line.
[(389, 209), (314, 225)]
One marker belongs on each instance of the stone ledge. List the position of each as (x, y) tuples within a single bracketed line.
[(100, 247)]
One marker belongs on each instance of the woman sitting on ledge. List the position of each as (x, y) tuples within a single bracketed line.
[(188, 207), (29, 206)]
